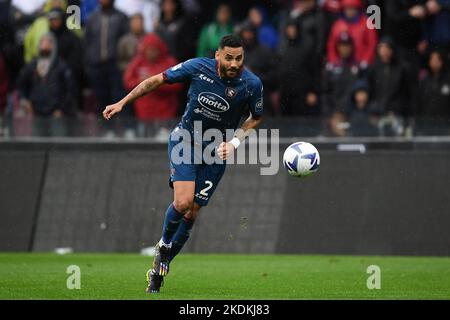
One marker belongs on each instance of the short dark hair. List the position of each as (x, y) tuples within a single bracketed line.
[(231, 40)]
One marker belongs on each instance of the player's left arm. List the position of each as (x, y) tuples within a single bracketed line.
[(227, 148), (252, 122)]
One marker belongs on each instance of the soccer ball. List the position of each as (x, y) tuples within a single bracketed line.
[(301, 159)]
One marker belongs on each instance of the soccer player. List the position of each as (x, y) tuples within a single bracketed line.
[(221, 91)]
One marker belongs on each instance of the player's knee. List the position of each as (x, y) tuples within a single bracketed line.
[(192, 214), (183, 205)]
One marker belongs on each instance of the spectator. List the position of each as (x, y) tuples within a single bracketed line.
[(178, 27), (102, 33), (192, 7), (297, 75), (174, 30), (150, 9), (211, 33), (331, 10), (340, 76), (353, 21), (11, 54), (390, 86), (266, 33), (153, 57), (21, 14), (38, 28), (6, 23), (41, 26), (435, 88), (404, 25), (437, 25), (310, 23), (69, 48), (128, 43), (262, 61), (46, 86), (87, 8), (361, 112), (4, 82)]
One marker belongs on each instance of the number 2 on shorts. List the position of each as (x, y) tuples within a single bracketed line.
[(203, 192)]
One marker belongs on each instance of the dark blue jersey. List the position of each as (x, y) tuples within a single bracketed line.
[(216, 102)]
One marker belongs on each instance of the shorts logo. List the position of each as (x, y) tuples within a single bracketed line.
[(213, 102), (197, 195), (230, 92)]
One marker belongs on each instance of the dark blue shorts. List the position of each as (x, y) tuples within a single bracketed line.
[(206, 176)]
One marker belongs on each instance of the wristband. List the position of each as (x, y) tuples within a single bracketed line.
[(235, 142)]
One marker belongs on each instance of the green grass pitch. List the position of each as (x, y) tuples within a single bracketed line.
[(224, 277)]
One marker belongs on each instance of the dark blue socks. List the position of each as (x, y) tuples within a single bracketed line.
[(171, 224), (180, 238)]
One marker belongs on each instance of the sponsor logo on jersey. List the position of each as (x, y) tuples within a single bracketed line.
[(230, 92), (205, 78), (213, 102)]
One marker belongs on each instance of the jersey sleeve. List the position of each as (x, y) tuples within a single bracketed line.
[(181, 72), (256, 103)]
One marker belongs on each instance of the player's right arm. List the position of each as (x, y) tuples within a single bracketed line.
[(140, 90), (179, 73)]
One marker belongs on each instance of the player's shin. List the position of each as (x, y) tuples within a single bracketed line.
[(171, 224), (181, 237)]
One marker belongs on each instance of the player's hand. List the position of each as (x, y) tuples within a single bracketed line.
[(112, 110), (225, 150)]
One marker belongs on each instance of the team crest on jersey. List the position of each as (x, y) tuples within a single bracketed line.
[(230, 92)]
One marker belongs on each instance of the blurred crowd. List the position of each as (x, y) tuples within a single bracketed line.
[(318, 59)]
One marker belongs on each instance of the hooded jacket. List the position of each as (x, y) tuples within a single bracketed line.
[(365, 39), (38, 28), (434, 91), (49, 90), (267, 34), (360, 118), (391, 84), (162, 103)]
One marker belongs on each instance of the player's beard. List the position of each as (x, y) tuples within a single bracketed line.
[(224, 71)]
